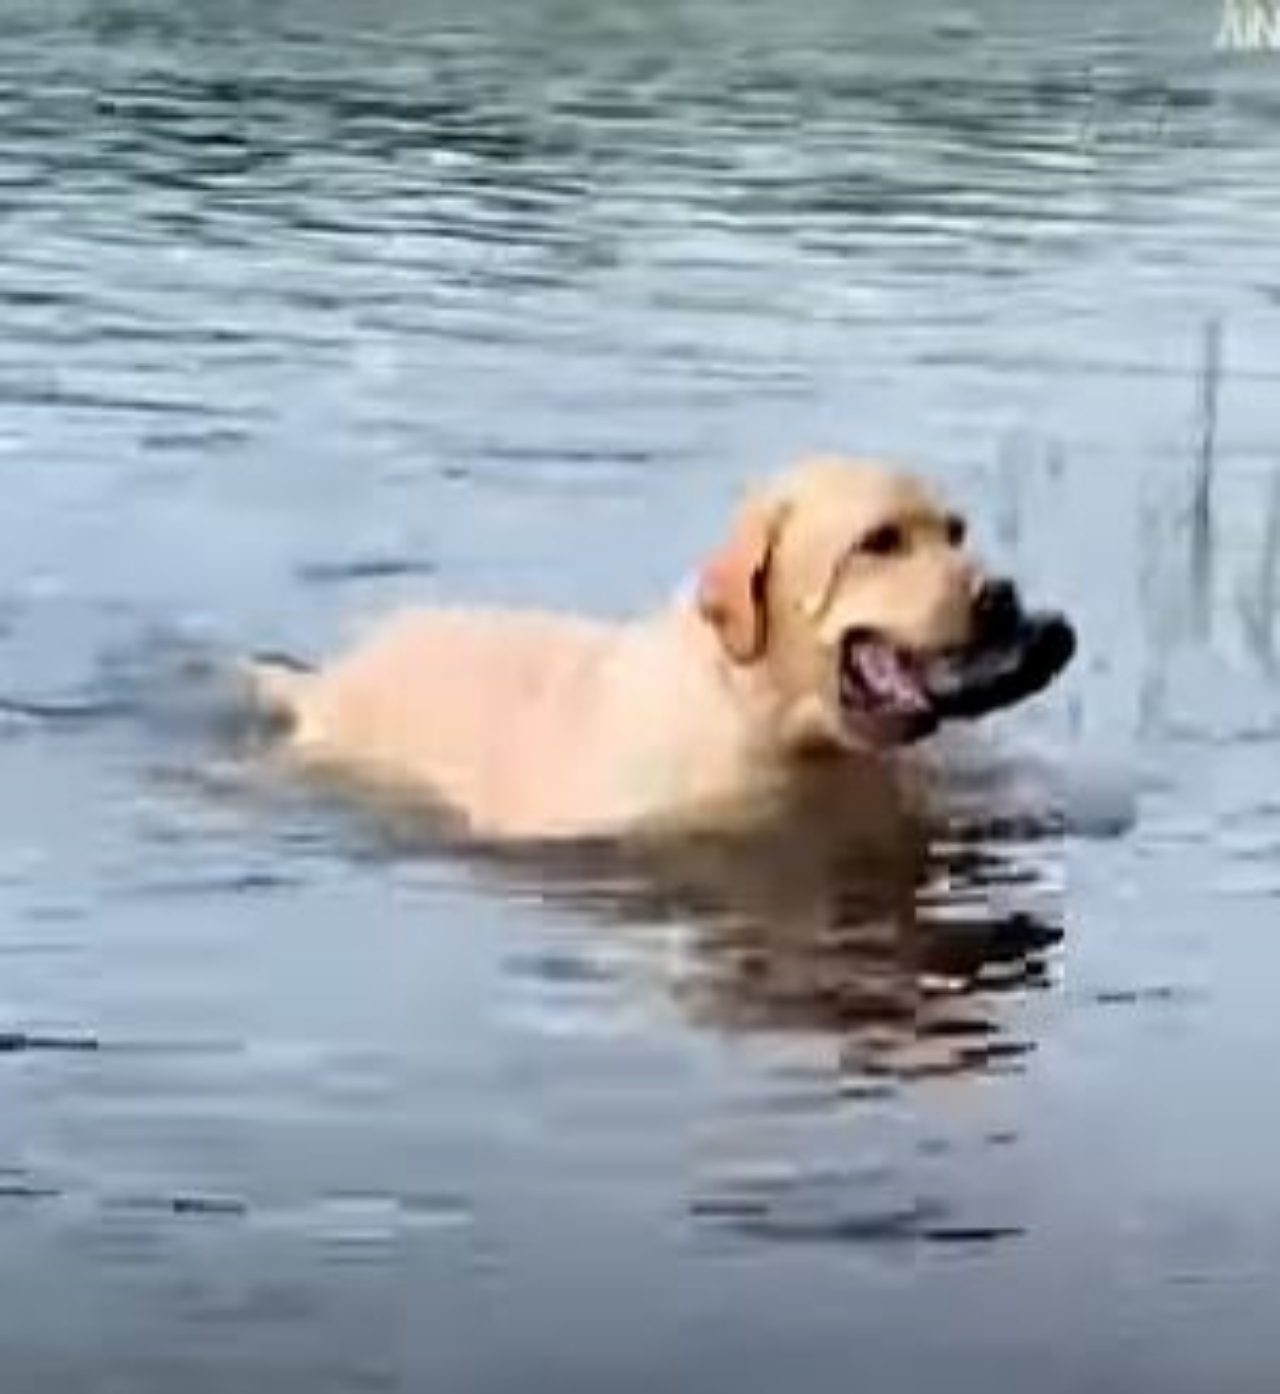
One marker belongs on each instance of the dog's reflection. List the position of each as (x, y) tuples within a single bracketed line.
[(892, 932)]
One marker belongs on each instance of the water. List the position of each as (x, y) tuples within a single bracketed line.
[(313, 308)]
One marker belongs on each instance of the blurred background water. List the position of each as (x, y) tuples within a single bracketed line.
[(311, 308)]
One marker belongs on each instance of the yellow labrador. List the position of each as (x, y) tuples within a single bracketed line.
[(842, 618)]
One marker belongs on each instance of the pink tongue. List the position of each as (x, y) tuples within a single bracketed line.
[(888, 677)]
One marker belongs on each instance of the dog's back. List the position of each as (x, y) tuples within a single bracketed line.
[(474, 704)]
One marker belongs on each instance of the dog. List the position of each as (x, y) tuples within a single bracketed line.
[(842, 621)]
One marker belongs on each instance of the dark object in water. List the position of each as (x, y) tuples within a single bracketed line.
[(1012, 654), (1003, 670)]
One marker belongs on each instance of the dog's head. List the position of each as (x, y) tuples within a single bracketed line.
[(849, 592)]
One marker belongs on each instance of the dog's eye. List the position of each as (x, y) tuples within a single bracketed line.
[(885, 541), (957, 530)]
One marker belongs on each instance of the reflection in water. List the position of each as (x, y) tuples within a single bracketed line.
[(898, 946), (899, 960), (905, 980)]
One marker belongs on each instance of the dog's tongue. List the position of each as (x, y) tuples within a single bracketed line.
[(889, 678)]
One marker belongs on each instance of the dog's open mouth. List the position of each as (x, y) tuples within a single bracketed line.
[(903, 697), (884, 686)]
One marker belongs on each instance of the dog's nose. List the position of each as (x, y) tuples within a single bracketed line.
[(996, 608)]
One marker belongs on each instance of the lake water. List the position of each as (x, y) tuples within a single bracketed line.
[(312, 308)]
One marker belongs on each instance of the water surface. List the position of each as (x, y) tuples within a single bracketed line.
[(313, 308)]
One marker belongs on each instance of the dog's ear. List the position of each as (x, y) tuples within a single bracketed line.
[(731, 588)]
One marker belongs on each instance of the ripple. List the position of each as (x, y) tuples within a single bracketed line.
[(836, 1209)]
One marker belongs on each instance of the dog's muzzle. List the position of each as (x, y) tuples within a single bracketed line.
[(1011, 655)]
